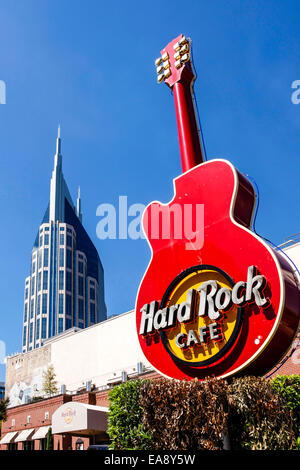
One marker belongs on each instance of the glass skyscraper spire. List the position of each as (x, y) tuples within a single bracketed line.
[(65, 288)]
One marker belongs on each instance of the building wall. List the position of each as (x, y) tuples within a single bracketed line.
[(24, 375), (97, 354), (38, 414), (33, 415)]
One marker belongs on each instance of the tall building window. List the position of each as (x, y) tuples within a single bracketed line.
[(61, 257), (68, 323), (61, 303), (25, 312), (38, 305), (31, 308), (44, 328), (45, 279), (68, 305), (60, 325), (80, 285), (46, 239), (39, 281), (69, 259), (80, 309), (26, 293), (31, 333), (24, 335), (80, 267), (37, 331), (41, 240), (60, 280), (46, 256), (61, 239), (32, 285), (33, 267), (69, 241), (92, 293), (69, 281), (92, 313), (39, 259), (44, 303)]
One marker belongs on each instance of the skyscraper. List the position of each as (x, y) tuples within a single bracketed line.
[(65, 288)]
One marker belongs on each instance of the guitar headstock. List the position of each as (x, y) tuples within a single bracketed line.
[(175, 64)]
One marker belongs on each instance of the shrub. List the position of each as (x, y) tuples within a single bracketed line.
[(258, 419), (165, 414), (288, 387), (184, 415), (125, 418)]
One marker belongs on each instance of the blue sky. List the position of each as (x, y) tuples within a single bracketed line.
[(90, 67)]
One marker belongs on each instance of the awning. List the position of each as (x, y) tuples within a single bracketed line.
[(41, 433), (24, 435), (9, 437), (79, 418)]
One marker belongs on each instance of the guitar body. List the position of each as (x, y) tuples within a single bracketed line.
[(244, 338)]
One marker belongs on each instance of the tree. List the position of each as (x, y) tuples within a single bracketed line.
[(49, 443), (3, 409), (49, 382)]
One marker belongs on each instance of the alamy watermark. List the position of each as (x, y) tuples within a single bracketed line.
[(161, 222), (2, 92), (295, 97)]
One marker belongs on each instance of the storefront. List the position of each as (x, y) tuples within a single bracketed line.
[(8, 441), (76, 421), (87, 423)]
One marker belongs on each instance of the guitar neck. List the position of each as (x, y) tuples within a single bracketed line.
[(174, 67), (191, 152)]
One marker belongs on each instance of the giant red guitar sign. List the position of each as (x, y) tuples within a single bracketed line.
[(216, 300)]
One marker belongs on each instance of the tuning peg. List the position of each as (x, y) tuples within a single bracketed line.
[(159, 69), (177, 55), (158, 61), (160, 77), (185, 48), (178, 64), (167, 73), (176, 47), (185, 57), (182, 41), (165, 56)]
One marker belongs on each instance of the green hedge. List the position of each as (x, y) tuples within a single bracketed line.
[(125, 427), (288, 387), (166, 414)]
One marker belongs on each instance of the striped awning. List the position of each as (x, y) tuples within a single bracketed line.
[(41, 433), (9, 437), (25, 435)]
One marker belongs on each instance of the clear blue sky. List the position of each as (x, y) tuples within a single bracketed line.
[(89, 65)]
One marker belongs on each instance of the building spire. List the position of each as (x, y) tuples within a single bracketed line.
[(58, 142), (79, 214)]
